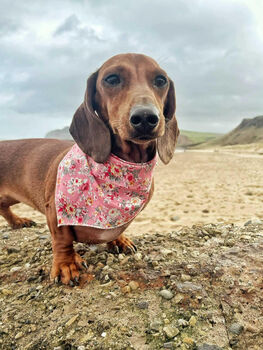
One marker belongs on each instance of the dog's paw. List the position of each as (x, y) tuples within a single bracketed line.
[(67, 270), (22, 222), (122, 245)]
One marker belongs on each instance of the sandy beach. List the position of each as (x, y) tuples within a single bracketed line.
[(197, 187)]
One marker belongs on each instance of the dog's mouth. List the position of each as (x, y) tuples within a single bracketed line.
[(140, 139)]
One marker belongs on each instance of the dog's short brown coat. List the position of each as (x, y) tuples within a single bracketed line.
[(101, 125)]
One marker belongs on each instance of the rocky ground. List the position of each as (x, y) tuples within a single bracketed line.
[(197, 287)]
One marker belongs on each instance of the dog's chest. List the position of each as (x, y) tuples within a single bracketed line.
[(104, 196)]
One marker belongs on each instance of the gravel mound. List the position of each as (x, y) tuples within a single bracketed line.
[(195, 288)]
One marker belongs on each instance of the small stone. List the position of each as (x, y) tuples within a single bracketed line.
[(155, 325), (126, 289), (166, 294), (81, 347), (134, 285), (185, 277), (236, 328), (71, 320), (166, 252), (175, 218), (171, 331), (252, 329), (188, 340), (87, 337), (183, 323), (100, 265), (6, 291), (192, 321), (15, 268), (57, 348), (103, 334), (168, 345), (19, 335), (178, 298), (125, 260), (33, 328), (121, 257), (208, 347), (137, 257), (188, 286), (106, 278), (11, 250), (43, 237), (143, 305), (5, 236), (205, 211)]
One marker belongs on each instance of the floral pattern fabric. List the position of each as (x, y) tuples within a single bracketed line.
[(106, 195)]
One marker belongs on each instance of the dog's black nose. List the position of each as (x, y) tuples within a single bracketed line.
[(144, 119)]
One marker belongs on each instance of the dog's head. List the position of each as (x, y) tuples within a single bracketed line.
[(129, 96)]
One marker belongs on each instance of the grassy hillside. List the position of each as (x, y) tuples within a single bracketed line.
[(195, 137), (248, 131)]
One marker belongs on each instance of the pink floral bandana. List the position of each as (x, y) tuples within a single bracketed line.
[(98, 195)]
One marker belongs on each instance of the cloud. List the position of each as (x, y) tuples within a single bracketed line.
[(212, 51)]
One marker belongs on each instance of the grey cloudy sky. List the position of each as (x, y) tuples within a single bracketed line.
[(213, 50)]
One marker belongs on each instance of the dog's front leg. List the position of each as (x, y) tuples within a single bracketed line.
[(66, 262)]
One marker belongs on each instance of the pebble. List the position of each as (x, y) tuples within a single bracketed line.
[(126, 289), (5, 236), (252, 329), (185, 277), (178, 298), (125, 260), (188, 286), (121, 257), (11, 250), (254, 222), (166, 252), (166, 294), (236, 328), (171, 331), (71, 320), (33, 328), (188, 340), (175, 218), (15, 268), (208, 347), (143, 304), (134, 285), (183, 323), (137, 256), (100, 265), (19, 335), (6, 291), (81, 347), (192, 321), (155, 325), (168, 345), (43, 237)]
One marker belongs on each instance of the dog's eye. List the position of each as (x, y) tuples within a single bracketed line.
[(160, 81), (113, 79)]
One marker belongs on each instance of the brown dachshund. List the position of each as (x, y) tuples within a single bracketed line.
[(128, 110)]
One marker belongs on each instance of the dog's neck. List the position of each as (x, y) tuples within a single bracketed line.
[(133, 152)]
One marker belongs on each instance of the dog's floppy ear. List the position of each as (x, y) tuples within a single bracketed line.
[(166, 143), (88, 130)]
